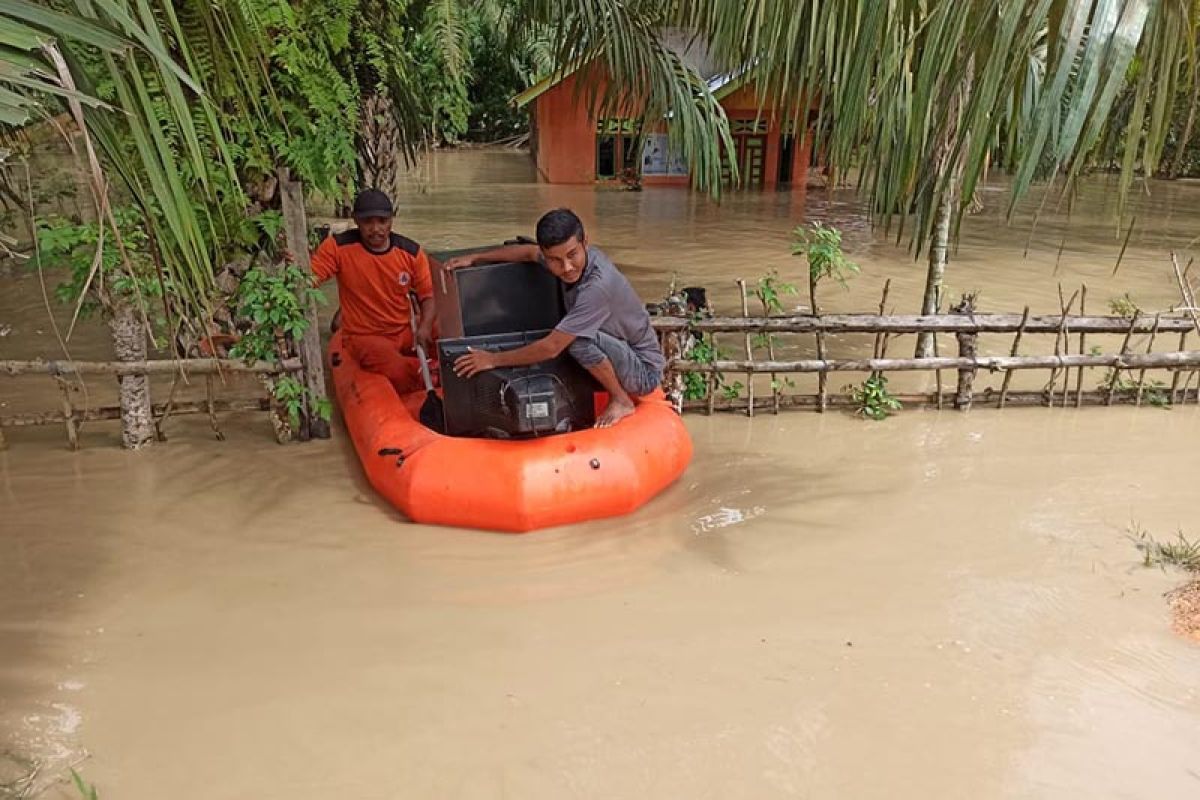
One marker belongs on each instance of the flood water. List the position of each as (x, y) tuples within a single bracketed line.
[(939, 605)]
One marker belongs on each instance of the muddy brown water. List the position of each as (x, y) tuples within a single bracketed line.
[(941, 605)]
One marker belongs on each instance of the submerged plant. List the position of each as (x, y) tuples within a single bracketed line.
[(872, 398), (275, 302), (821, 246), (770, 291), (696, 384), (1124, 306), (1155, 392), (1180, 552), (86, 790)]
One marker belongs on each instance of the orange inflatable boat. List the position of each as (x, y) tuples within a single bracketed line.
[(504, 485)]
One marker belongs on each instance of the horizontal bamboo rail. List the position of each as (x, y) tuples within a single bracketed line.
[(72, 417), (194, 366), (966, 326), (940, 323), (1190, 358), (916, 399), (114, 412)]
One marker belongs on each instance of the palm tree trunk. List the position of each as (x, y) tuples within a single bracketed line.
[(129, 344), (939, 243), (938, 258), (378, 144)]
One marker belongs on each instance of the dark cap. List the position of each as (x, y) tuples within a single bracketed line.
[(372, 203)]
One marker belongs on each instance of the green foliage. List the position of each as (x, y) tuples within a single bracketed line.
[(86, 790), (1124, 306), (1154, 392), (290, 393), (307, 51), (498, 73), (733, 391), (872, 398), (441, 48), (770, 291), (821, 246), (74, 247), (1180, 552), (695, 384), (274, 303)]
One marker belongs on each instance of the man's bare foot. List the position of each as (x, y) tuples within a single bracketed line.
[(616, 411)]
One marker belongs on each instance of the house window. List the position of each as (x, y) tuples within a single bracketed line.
[(618, 146), (748, 127)]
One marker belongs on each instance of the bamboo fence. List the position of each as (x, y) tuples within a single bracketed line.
[(308, 365), (72, 415), (966, 326)]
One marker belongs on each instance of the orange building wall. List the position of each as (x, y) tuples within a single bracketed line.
[(565, 147)]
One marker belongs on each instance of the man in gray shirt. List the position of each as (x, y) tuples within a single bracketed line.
[(606, 328)]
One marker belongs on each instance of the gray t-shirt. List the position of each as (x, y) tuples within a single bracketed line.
[(603, 300)]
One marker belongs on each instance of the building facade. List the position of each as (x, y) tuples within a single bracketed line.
[(570, 143)]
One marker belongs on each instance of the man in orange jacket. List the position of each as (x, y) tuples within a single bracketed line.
[(376, 270)]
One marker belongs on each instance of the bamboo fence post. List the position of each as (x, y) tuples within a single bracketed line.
[(1175, 375), (1142, 372), (1082, 345), (880, 337), (1066, 348), (162, 418), (1059, 340), (1116, 371), (296, 233), (209, 407), (1189, 302), (775, 390), (713, 379), (937, 373), (967, 344), (749, 350), (881, 340), (68, 411), (1015, 347), (1185, 289), (822, 377), (712, 393)]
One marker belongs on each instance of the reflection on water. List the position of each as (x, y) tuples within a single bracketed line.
[(941, 605)]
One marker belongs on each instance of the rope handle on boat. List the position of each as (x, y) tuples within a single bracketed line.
[(393, 451)]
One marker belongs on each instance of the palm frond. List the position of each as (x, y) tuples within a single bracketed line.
[(629, 70)]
